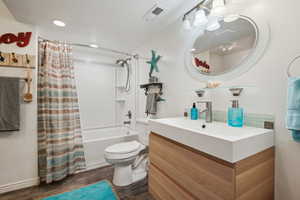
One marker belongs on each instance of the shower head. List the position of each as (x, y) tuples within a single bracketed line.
[(122, 62)]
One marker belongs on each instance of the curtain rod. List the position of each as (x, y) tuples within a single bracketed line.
[(136, 56)]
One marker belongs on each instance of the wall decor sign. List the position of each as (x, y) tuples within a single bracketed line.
[(21, 39)]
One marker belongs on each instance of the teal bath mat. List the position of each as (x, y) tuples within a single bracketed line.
[(98, 191)]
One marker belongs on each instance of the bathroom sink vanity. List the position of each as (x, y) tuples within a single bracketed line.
[(217, 162)]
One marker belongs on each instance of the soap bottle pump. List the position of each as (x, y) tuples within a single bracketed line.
[(235, 116), (194, 112)]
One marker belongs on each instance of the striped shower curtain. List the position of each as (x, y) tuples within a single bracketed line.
[(60, 147)]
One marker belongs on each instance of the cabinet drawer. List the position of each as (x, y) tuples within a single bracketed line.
[(163, 188), (200, 176)]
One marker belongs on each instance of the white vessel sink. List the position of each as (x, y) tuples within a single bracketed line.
[(217, 139)]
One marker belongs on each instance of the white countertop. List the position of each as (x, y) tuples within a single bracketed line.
[(217, 139), (143, 121)]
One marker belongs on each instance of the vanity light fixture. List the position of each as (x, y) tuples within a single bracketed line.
[(59, 23), (205, 10), (218, 7), (200, 18)]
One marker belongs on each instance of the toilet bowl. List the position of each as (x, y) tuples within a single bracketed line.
[(122, 156)]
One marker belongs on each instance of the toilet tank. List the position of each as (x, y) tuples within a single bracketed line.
[(142, 128)]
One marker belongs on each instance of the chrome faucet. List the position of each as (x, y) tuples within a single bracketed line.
[(127, 122), (129, 115), (207, 111)]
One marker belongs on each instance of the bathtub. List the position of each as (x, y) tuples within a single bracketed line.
[(95, 142)]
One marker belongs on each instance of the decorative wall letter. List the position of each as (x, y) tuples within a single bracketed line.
[(22, 39)]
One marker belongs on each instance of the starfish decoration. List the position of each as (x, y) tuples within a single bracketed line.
[(153, 63)]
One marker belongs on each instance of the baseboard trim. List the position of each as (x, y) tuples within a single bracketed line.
[(35, 181), (19, 185), (95, 165)]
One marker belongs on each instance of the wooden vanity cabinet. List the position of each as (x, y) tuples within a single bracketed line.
[(178, 172)]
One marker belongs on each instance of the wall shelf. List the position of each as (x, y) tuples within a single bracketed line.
[(151, 84), (20, 67)]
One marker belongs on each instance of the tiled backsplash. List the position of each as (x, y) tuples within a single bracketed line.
[(251, 119)]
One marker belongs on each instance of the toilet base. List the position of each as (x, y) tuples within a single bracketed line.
[(138, 175), (122, 175)]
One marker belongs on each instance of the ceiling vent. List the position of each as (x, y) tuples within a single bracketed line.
[(153, 13)]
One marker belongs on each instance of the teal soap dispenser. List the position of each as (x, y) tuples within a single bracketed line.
[(235, 116), (194, 112)]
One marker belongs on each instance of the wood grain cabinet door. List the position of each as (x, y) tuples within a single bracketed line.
[(194, 173), (163, 188), (255, 176)]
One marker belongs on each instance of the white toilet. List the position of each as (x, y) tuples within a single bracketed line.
[(128, 166)]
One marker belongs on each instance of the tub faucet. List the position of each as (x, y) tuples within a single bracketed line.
[(129, 114), (127, 122), (207, 111)]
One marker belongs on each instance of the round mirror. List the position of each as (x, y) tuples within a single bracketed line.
[(221, 53)]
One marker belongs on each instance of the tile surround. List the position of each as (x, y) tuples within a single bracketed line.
[(251, 119)]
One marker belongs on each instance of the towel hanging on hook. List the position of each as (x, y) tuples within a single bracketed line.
[(290, 65)]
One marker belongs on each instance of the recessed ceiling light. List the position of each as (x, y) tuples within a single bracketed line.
[(59, 23), (94, 46)]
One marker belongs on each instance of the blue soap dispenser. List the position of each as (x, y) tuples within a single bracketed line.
[(194, 112), (235, 116)]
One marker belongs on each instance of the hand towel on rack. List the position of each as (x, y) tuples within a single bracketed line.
[(293, 112), (9, 104), (151, 104)]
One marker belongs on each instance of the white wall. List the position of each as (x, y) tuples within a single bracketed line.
[(4, 12), (18, 150), (268, 76)]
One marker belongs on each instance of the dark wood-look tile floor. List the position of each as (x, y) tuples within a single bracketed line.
[(136, 191)]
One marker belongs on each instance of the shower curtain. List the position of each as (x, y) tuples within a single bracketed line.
[(60, 147)]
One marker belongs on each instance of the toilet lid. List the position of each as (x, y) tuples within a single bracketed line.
[(124, 147)]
